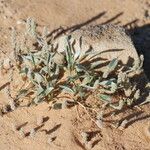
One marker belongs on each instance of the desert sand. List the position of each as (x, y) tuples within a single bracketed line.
[(66, 125)]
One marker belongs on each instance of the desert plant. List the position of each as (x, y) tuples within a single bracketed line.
[(36, 61)]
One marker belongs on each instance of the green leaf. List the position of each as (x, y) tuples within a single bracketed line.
[(105, 97), (33, 59), (38, 77), (113, 87), (77, 54), (111, 66), (88, 87), (38, 99), (49, 58), (24, 70), (57, 70), (96, 83), (95, 64), (80, 68), (86, 80), (67, 89), (44, 69), (57, 106), (119, 106), (40, 91), (30, 75), (48, 90), (72, 79), (22, 93), (107, 83), (69, 55)]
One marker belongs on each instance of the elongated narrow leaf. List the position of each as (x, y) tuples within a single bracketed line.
[(106, 83), (80, 68), (30, 75), (22, 93), (67, 89), (95, 64), (57, 70), (57, 106), (38, 77), (88, 87), (106, 98), (77, 54), (86, 80), (111, 66), (96, 83), (69, 54), (49, 58), (44, 69), (72, 79), (32, 59), (113, 87), (48, 90), (119, 106), (37, 100), (24, 70), (40, 91)]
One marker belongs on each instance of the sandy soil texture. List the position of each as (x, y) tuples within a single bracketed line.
[(65, 125)]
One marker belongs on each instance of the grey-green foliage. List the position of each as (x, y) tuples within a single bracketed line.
[(85, 75), (38, 67), (31, 27), (106, 84), (42, 72)]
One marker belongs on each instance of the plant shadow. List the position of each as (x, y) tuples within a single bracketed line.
[(141, 39), (52, 130), (61, 30)]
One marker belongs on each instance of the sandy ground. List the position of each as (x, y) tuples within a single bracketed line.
[(65, 125)]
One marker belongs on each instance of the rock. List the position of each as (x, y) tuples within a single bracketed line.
[(111, 40)]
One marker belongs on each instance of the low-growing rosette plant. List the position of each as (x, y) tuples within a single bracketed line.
[(81, 73)]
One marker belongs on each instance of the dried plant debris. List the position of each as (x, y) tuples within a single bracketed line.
[(40, 120), (21, 133), (123, 124), (86, 140), (38, 62), (32, 133), (50, 139)]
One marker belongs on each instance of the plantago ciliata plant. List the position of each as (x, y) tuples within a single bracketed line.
[(42, 66)]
